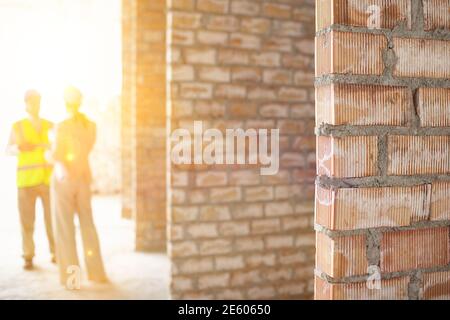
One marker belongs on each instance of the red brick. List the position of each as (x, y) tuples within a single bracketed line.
[(256, 25), (362, 208), (202, 230), (259, 194), (414, 249), (357, 13), (184, 213), (341, 257), (279, 242), (303, 79), (266, 59), (224, 195), (342, 104), (200, 56), (181, 249), (288, 28), (440, 201), (436, 286), (275, 111), (233, 57), (212, 38), (245, 41), (266, 226), (244, 7), (217, 280), (234, 229), (433, 107), (185, 20), (422, 58), (340, 53), (181, 37), (299, 61), (182, 73), (213, 6), (260, 93), (275, 10), (278, 44), (182, 4), (436, 14), (212, 247), (292, 94), (305, 14), (277, 209), (222, 23), (278, 76), (215, 213), (230, 91), (214, 74), (196, 265), (412, 155), (230, 263), (196, 90), (245, 178), (393, 289), (347, 156), (246, 74)]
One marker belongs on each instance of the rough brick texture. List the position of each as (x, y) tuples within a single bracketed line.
[(352, 104), (436, 14), (243, 64), (345, 52), (382, 210)]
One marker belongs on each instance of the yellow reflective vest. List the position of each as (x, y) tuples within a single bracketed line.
[(32, 167)]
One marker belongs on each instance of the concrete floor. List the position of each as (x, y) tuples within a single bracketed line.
[(133, 275)]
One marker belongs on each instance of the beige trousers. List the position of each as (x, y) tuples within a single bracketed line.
[(71, 197), (27, 209)]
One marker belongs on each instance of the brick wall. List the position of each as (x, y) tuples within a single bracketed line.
[(383, 120), (144, 120), (243, 64)]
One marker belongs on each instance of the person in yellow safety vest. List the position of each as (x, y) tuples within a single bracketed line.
[(29, 141), (71, 194)]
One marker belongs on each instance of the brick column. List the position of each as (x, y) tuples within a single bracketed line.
[(383, 120), (243, 64), (144, 120), (128, 77)]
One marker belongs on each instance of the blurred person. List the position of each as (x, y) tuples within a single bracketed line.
[(71, 194), (29, 141)]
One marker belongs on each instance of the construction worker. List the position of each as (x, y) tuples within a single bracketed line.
[(29, 141), (71, 194)]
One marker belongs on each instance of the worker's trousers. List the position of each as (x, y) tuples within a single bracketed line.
[(71, 197), (27, 209)]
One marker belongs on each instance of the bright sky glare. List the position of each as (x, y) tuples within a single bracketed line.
[(49, 44)]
